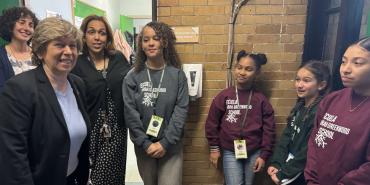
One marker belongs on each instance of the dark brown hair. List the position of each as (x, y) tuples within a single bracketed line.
[(168, 40), (321, 73), (109, 49), (259, 58), (10, 17)]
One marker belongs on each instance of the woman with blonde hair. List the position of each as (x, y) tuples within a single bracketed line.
[(43, 124)]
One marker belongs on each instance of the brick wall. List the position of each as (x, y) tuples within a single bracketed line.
[(275, 27)]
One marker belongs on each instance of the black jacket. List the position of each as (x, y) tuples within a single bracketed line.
[(6, 70), (34, 138)]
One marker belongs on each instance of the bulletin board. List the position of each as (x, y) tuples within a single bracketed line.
[(82, 10)]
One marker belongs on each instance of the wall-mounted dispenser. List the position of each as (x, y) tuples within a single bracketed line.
[(194, 74)]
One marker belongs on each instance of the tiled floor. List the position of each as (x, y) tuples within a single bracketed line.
[(134, 183)]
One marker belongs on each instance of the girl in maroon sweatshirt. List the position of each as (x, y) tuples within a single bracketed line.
[(339, 146), (241, 124)]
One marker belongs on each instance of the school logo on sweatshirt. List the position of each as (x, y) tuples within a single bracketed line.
[(233, 110), (328, 129), (150, 93)]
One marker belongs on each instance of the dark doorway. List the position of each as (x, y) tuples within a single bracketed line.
[(332, 25)]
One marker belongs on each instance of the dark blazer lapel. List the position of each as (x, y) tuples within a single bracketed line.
[(46, 89)]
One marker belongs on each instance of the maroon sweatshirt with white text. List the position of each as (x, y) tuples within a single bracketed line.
[(339, 146), (225, 115)]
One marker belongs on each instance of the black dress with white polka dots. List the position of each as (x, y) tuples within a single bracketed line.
[(108, 154)]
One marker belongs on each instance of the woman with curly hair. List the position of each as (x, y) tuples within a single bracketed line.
[(156, 100), (17, 26)]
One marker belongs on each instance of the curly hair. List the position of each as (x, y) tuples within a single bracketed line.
[(168, 40), (50, 29), (109, 49), (10, 17)]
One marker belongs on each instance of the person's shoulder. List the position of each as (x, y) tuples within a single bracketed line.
[(75, 78), (260, 95), (2, 49), (173, 68), (335, 98), (337, 94), (23, 82), (82, 60), (226, 92), (3, 52)]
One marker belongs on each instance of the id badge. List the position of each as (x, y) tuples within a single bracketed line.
[(154, 126), (240, 147)]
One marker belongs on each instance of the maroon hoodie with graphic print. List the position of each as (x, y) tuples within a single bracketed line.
[(339, 146), (225, 115)]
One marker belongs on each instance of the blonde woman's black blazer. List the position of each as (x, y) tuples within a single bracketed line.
[(34, 139)]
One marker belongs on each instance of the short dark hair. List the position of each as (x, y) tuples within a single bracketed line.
[(10, 17)]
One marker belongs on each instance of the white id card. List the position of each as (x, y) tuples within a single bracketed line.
[(154, 126), (240, 147)]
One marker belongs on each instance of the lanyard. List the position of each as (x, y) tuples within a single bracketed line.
[(243, 123), (158, 89)]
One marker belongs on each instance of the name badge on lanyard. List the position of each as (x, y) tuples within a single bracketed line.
[(240, 147), (156, 121), (154, 126)]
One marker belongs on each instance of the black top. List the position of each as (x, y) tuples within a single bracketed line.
[(96, 85), (6, 70), (294, 140)]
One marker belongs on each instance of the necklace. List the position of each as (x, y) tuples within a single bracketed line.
[(154, 68), (353, 109), (104, 70), (18, 59)]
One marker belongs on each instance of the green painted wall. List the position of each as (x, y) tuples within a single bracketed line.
[(126, 24), (4, 5), (7, 4), (83, 10)]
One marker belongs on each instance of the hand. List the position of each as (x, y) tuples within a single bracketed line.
[(156, 150), (260, 163), (275, 179), (213, 157), (272, 170)]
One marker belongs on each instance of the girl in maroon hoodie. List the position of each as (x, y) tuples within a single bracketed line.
[(339, 146), (241, 124)]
